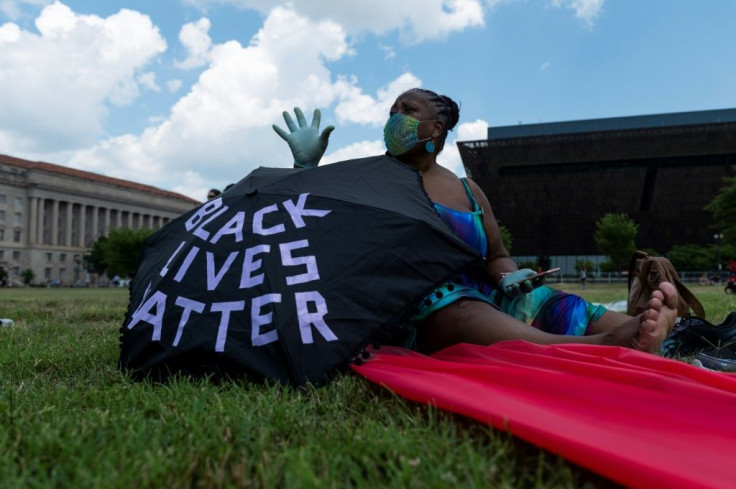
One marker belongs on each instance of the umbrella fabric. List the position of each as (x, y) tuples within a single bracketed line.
[(641, 420), (288, 274)]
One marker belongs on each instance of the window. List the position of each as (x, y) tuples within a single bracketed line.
[(16, 255), (3, 199), (62, 274), (2, 254), (2, 235), (17, 219), (16, 272), (16, 235), (62, 257), (18, 203), (2, 216), (47, 273), (49, 257)]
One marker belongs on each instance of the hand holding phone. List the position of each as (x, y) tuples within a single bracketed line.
[(539, 277), (523, 281)]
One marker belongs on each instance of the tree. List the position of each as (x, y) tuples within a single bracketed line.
[(614, 236), (96, 256), (27, 276), (3, 276), (506, 237), (118, 253), (723, 209), (696, 257), (586, 265)]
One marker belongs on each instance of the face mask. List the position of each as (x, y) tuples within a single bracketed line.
[(401, 133)]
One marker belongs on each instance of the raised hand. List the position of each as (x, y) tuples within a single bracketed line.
[(306, 144)]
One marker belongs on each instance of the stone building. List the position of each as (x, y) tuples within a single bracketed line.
[(50, 216), (549, 183)]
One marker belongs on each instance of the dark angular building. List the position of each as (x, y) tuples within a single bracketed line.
[(549, 183)]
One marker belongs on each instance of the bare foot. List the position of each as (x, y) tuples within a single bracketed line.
[(658, 319), (647, 331)]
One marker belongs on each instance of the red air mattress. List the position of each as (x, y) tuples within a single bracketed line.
[(638, 419)]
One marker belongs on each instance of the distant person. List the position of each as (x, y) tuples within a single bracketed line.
[(213, 193), (583, 278)]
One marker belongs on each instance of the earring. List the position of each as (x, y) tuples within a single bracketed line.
[(429, 146)]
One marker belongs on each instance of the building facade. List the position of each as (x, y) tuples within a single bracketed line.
[(549, 183), (51, 215)]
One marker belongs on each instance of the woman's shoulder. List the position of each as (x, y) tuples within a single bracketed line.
[(473, 186)]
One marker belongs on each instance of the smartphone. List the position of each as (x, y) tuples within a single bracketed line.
[(544, 273), (534, 278)]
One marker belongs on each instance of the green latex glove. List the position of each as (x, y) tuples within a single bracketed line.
[(520, 282), (306, 144)]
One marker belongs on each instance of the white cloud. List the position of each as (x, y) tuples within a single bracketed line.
[(195, 38), (148, 80), (545, 66), (221, 129), (586, 10), (193, 186), (360, 108), (173, 85), (74, 65), (416, 20), (13, 9), (360, 149), (467, 131), (389, 50), (9, 33)]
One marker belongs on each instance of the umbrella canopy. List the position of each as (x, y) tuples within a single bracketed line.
[(289, 274)]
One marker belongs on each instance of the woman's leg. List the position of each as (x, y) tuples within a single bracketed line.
[(552, 310), (558, 312), (469, 321)]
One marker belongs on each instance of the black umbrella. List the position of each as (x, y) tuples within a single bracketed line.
[(288, 274)]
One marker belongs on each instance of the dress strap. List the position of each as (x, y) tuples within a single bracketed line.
[(476, 206)]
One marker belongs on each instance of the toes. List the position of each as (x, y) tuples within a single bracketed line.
[(655, 303), (669, 294)]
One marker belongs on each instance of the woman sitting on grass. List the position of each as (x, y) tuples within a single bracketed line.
[(493, 303)]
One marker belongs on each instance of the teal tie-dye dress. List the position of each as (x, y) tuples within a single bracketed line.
[(545, 308)]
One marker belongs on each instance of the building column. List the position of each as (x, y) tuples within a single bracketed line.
[(107, 221), (32, 220), (82, 225), (130, 220), (40, 230), (95, 211), (55, 222), (119, 219), (69, 214)]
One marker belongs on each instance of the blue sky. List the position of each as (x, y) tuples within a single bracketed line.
[(181, 94)]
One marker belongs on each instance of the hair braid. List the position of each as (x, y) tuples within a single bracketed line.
[(447, 111)]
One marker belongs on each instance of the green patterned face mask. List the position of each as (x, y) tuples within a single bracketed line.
[(401, 133)]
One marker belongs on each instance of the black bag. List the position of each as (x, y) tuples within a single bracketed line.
[(713, 345)]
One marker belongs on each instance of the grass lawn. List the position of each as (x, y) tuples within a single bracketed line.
[(69, 419)]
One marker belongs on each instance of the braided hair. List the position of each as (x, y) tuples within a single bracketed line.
[(447, 111)]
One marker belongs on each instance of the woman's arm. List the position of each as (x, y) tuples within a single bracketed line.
[(500, 268), (498, 260)]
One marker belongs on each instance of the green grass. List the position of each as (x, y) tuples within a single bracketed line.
[(69, 419)]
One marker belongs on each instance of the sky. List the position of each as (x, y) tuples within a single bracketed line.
[(181, 94)]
